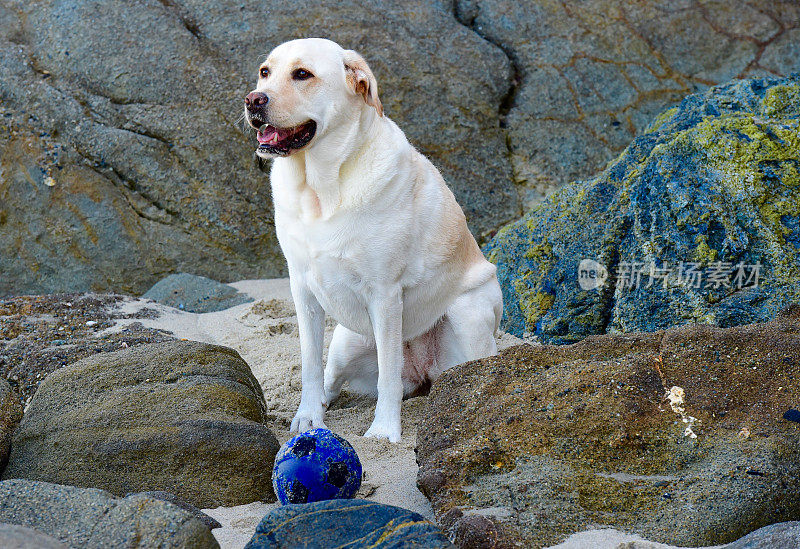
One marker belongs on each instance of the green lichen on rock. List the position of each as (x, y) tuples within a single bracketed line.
[(661, 119), (702, 253), (714, 184), (781, 99)]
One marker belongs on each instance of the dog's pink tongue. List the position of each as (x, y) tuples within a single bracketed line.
[(273, 136), (267, 136)]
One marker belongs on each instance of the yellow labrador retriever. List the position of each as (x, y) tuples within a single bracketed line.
[(372, 236)]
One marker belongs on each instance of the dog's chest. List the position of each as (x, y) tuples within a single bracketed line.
[(337, 269)]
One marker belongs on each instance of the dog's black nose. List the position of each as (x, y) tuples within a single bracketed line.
[(255, 100)]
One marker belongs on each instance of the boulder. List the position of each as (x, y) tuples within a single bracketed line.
[(676, 436), (181, 417), (41, 333), (10, 416), (13, 536), (91, 518), (591, 76), (209, 521), (697, 221), (122, 157), (195, 294), (354, 523)]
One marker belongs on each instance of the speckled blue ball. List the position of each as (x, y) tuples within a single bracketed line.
[(314, 466)]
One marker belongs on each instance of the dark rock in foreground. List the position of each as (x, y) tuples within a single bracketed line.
[(94, 519), (697, 221), (13, 536), (209, 521), (195, 294), (351, 523), (182, 417), (543, 441)]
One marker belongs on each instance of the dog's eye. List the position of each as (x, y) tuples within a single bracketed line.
[(301, 74), (264, 72)]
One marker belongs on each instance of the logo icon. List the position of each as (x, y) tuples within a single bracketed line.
[(591, 274)]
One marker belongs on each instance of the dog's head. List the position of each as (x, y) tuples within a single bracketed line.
[(304, 88)]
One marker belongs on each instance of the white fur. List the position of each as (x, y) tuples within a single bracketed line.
[(374, 238)]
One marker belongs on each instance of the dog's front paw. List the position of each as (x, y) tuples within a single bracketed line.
[(388, 430), (306, 419)]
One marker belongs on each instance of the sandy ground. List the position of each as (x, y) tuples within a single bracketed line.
[(264, 332)]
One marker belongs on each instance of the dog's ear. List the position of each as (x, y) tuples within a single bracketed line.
[(361, 79)]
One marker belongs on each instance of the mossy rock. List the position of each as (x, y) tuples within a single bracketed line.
[(545, 441), (713, 185), (182, 417)]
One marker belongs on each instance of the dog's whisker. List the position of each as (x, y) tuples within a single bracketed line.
[(243, 124)]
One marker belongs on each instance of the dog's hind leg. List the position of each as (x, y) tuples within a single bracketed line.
[(470, 324), (352, 357)]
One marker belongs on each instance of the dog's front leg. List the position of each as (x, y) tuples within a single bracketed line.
[(311, 324), (386, 314)]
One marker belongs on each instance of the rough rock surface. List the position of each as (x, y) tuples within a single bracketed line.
[(182, 417), (543, 441), (591, 75), (785, 535), (195, 294), (712, 187), (10, 416), (13, 536), (122, 159), (352, 523), (39, 334), (211, 522), (90, 518)]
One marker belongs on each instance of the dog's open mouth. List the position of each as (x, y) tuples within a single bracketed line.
[(282, 141)]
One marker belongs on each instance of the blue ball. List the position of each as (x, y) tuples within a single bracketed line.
[(314, 466)]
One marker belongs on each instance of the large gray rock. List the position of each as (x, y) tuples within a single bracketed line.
[(91, 518), (677, 436), (117, 172), (181, 417), (195, 294), (592, 74), (120, 152)]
